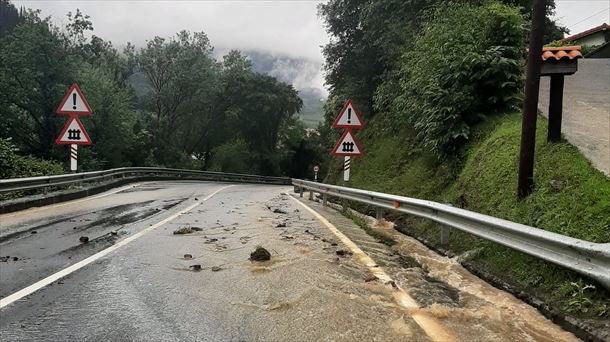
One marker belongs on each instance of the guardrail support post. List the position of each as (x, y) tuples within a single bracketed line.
[(445, 234), (311, 195), (324, 199), (301, 191), (378, 213)]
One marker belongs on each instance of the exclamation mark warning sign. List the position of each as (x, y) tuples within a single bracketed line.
[(74, 103), (348, 117)]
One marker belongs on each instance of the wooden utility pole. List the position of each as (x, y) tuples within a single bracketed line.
[(530, 104)]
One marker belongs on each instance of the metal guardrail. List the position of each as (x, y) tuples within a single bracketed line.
[(45, 182), (587, 258)]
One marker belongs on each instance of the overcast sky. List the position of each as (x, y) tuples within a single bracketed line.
[(282, 27)]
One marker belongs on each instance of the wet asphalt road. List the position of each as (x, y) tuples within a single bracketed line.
[(148, 290)]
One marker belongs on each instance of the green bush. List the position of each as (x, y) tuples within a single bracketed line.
[(13, 165), (466, 64), (232, 157)]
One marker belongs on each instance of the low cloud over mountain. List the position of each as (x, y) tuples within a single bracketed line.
[(305, 75)]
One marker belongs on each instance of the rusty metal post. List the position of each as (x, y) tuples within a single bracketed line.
[(555, 108), (311, 195), (324, 199), (301, 191), (530, 103)]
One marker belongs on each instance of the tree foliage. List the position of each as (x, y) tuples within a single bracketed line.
[(168, 103), (12, 164), (9, 16), (464, 66), (403, 63)]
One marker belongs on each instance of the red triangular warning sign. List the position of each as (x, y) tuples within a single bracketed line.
[(73, 133), (348, 117), (74, 103), (347, 145)]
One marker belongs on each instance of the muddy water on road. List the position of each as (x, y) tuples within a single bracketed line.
[(150, 291), (470, 307), (310, 290)]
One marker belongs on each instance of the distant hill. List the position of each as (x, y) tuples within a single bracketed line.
[(313, 106)]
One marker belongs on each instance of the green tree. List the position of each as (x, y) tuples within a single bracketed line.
[(254, 108), (110, 127), (9, 16), (464, 66), (182, 75), (35, 69), (367, 38)]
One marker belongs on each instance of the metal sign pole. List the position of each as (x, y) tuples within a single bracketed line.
[(315, 176), (73, 157)]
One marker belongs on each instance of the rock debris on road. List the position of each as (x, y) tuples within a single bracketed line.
[(258, 269)]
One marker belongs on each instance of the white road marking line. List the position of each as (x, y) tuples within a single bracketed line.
[(51, 206), (70, 269), (431, 326)]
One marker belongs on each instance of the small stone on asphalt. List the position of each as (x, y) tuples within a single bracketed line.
[(183, 230), (84, 239), (370, 277), (260, 254)]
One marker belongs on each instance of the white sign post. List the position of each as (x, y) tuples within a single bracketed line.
[(73, 133), (73, 157), (315, 172), (346, 163)]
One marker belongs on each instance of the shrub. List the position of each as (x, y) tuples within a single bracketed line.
[(465, 65), (232, 157), (13, 165)]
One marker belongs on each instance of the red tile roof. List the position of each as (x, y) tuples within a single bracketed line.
[(599, 28), (563, 52)]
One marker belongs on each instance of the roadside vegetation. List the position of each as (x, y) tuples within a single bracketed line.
[(361, 222), (168, 103), (440, 92), (13, 164)]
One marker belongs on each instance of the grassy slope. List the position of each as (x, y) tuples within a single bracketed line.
[(570, 198)]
